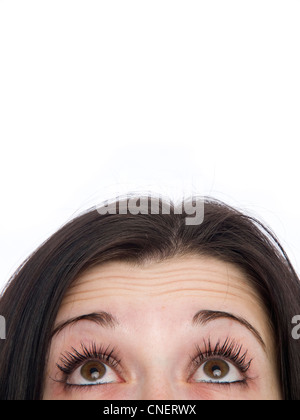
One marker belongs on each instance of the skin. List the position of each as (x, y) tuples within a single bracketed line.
[(155, 338)]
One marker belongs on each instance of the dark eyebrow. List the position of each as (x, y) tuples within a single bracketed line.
[(103, 318), (202, 317), (205, 316)]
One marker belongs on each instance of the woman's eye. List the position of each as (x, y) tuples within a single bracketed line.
[(92, 373), (218, 371)]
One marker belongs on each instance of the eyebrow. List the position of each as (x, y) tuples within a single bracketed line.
[(105, 319), (205, 316)]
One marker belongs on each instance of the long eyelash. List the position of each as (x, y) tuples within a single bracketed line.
[(229, 350), (70, 361)]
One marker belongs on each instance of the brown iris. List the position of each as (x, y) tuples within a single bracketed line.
[(93, 371), (216, 369)]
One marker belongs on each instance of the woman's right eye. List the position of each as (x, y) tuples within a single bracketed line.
[(92, 372)]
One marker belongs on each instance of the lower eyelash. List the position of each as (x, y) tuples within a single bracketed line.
[(243, 383), (82, 388)]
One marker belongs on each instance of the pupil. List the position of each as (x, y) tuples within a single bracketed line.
[(94, 373), (216, 371)]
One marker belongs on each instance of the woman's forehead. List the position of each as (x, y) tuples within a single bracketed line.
[(183, 276), (178, 286)]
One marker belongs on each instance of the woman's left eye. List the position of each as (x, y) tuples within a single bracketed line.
[(92, 373), (218, 371)]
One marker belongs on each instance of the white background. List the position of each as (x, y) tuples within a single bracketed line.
[(97, 96)]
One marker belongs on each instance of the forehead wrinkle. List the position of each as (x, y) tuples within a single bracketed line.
[(124, 279), (207, 294), (104, 284), (169, 269), (143, 279), (107, 292), (130, 272), (126, 282)]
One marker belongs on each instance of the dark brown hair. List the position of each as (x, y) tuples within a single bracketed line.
[(33, 296)]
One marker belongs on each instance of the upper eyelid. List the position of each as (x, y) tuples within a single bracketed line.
[(229, 350), (72, 361), (243, 370)]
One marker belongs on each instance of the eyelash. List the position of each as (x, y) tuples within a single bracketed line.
[(70, 361), (229, 351)]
